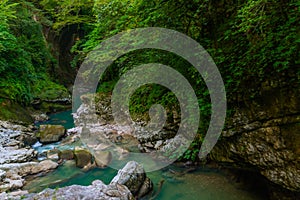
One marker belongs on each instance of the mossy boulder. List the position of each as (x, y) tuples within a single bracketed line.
[(66, 155), (83, 158), (50, 133), (102, 158)]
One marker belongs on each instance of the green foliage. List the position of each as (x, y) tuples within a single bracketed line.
[(46, 89), (251, 42), (24, 55), (68, 12)]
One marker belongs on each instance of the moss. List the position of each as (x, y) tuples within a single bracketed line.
[(49, 107), (45, 89), (11, 111), (82, 157)]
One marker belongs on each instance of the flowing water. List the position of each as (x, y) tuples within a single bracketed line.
[(203, 183)]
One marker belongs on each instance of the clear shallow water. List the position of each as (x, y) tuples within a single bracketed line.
[(206, 184), (202, 184)]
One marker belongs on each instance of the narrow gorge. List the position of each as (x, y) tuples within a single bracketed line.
[(57, 145)]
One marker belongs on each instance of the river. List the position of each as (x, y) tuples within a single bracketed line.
[(203, 183)]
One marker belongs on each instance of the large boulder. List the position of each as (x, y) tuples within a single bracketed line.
[(50, 133), (83, 158), (130, 182), (98, 190), (134, 177)]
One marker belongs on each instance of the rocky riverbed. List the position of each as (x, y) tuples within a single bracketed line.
[(17, 158)]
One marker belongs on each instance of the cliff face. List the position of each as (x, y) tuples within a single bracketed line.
[(61, 44), (264, 136)]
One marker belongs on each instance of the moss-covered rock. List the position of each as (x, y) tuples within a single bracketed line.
[(66, 155), (83, 158), (50, 133)]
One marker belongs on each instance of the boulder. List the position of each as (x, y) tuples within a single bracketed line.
[(134, 177), (146, 187), (83, 157), (24, 169), (130, 181), (102, 158), (50, 133), (12, 174), (13, 155), (66, 155), (98, 190)]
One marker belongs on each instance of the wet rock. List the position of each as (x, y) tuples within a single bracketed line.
[(2, 174), (50, 133), (83, 158)]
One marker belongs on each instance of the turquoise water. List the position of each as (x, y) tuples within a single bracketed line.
[(62, 118), (204, 183)]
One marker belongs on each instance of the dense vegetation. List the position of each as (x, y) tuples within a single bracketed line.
[(251, 41)]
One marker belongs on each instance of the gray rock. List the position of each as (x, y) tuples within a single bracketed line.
[(98, 190), (134, 177), (272, 148), (24, 169), (14, 155), (12, 173)]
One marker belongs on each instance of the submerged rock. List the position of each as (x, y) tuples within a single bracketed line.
[(50, 133)]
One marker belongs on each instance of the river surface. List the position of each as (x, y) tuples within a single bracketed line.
[(203, 183)]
